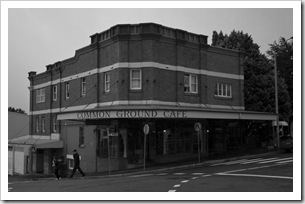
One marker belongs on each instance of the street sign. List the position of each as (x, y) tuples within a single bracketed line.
[(197, 127), (33, 149), (146, 129)]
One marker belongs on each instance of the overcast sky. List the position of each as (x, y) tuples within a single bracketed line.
[(38, 37)]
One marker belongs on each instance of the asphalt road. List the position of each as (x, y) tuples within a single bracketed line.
[(264, 174)]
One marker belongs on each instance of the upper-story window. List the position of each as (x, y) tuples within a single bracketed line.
[(54, 90), (107, 82), (223, 90), (40, 95), (54, 124), (37, 125), (135, 79), (67, 90), (43, 124), (83, 91), (190, 83)]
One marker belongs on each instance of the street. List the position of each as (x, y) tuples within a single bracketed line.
[(273, 173)]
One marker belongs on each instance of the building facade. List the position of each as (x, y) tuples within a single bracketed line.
[(130, 75)]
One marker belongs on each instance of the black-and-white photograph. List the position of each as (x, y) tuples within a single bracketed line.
[(150, 98)]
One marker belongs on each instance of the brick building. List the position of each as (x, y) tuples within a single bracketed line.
[(130, 75)]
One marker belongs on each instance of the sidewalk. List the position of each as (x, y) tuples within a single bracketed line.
[(148, 169)]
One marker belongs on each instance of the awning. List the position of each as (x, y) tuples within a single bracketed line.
[(38, 143)]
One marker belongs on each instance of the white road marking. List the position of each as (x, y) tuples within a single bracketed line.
[(284, 161), (142, 175), (195, 174), (185, 181), (274, 160), (176, 186), (234, 162), (254, 175), (195, 178), (172, 191), (258, 160), (179, 173)]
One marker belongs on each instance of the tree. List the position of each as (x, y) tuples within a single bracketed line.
[(283, 50), (258, 73), (17, 110)]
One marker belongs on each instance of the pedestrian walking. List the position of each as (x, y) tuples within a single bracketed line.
[(57, 165), (76, 164)]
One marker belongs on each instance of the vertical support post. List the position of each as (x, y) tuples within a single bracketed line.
[(198, 133), (144, 150), (108, 151), (276, 103)]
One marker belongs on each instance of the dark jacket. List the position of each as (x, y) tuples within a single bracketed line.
[(76, 159)]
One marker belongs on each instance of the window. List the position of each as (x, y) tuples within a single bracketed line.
[(190, 83), (223, 90), (107, 82), (37, 125), (43, 124), (54, 124), (81, 137), (67, 90), (40, 95), (83, 91), (115, 143), (135, 79), (54, 93)]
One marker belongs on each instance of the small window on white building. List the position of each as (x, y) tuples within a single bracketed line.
[(223, 90), (107, 82), (135, 79), (83, 91), (190, 83), (54, 93), (40, 95), (43, 124), (67, 90)]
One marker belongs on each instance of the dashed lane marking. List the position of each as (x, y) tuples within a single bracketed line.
[(179, 174), (195, 178), (258, 160), (172, 191), (176, 186), (185, 181)]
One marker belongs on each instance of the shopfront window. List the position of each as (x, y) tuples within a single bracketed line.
[(110, 142)]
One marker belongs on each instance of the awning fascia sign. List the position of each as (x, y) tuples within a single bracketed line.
[(169, 114)]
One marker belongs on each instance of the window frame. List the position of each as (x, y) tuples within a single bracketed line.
[(133, 79), (54, 124), (37, 124), (40, 95), (67, 90), (223, 90), (81, 136), (43, 124), (54, 91), (107, 82), (83, 86), (189, 86)]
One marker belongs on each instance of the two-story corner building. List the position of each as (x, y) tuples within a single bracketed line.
[(130, 75)]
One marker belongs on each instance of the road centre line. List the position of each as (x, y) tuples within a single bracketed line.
[(274, 160), (195, 178), (162, 174), (176, 186), (254, 175), (179, 173), (185, 181), (197, 174)]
